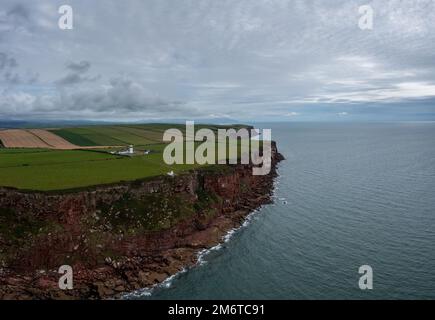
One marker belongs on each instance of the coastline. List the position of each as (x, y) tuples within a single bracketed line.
[(200, 260), (137, 261)]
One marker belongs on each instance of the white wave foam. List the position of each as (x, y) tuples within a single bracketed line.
[(201, 254), (146, 292), (229, 234)]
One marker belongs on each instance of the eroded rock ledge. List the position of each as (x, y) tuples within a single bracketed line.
[(124, 237)]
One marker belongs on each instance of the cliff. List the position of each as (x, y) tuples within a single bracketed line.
[(122, 237)]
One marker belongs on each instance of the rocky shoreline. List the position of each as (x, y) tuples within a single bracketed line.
[(111, 245)]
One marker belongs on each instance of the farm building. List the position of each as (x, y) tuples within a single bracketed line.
[(128, 152)]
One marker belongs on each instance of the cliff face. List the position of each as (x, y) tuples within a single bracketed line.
[(123, 237)]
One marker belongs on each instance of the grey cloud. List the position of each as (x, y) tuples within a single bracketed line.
[(12, 78), (236, 57), (79, 67), (75, 78), (11, 74), (7, 62), (122, 96), (33, 77), (8, 66), (71, 78), (15, 17), (19, 11)]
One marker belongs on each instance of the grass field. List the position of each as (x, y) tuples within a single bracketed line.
[(48, 169), (91, 136)]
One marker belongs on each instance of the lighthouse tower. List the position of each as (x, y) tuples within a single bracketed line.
[(130, 149)]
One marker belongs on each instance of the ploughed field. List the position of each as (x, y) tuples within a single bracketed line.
[(18, 138), (70, 158)]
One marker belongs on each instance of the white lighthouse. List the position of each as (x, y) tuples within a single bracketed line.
[(128, 152)]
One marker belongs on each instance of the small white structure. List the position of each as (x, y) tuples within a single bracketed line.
[(128, 152), (171, 173), (147, 152)]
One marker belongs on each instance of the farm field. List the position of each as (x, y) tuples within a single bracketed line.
[(46, 170), (40, 138), (94, 136), (52, 140), (69, 158), (17, 138), (115, 135)]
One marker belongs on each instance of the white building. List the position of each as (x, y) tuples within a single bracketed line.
[(128, 152)]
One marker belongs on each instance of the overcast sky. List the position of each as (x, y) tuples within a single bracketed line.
[(252, 60)]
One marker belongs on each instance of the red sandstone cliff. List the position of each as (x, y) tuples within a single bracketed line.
[(123, 237)]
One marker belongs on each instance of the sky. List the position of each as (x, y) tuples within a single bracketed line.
[(250, 60)]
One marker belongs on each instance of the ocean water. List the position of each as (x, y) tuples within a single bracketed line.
[(347, 195)]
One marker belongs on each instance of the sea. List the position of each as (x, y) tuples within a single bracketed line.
[(348, 195)]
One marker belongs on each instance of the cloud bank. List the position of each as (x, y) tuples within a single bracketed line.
[(249, 60)]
